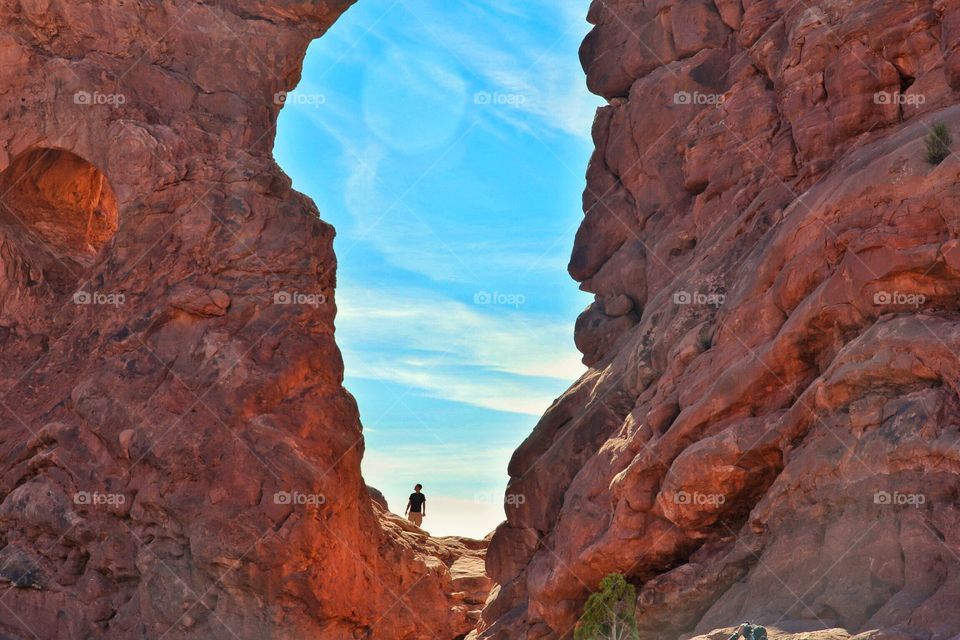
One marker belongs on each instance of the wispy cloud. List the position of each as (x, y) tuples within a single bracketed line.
[(476, 388), (453, 462), (529, 76), (403, 84), (531, 81), (384, 220), (504, 360), (444, 246)]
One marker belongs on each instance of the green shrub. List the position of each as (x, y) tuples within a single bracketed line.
[(705, 341), (609, 613), (938, 143)]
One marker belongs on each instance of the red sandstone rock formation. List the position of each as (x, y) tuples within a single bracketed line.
[(768, 430), (178, 457)]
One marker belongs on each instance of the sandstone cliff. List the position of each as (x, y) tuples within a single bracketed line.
[(768, 430), (178, 457)]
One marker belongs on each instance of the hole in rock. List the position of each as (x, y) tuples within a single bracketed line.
[(56, 212)]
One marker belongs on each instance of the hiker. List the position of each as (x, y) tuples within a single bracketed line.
[(749, 632), (416, 506)]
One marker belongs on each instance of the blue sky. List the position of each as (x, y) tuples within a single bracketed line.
[(447, 143)]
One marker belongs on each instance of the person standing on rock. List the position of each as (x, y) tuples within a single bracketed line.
[(417, 506)]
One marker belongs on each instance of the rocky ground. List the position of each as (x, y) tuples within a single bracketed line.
[(768, 430)]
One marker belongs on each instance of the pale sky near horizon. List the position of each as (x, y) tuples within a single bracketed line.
[(447, 143)]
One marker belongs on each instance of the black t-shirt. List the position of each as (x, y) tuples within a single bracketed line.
[(416, 502)]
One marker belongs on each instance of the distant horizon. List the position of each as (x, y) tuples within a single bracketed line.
[(455, 310)]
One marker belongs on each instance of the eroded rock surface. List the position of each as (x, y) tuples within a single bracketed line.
[(178, 457), (768, 430)]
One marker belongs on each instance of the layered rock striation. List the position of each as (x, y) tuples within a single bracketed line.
[(768, 428)]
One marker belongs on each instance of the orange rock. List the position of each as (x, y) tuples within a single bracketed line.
[(771, 437), (178, 457)]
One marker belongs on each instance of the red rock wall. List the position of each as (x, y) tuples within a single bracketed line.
[(768, 430), (178, 456)]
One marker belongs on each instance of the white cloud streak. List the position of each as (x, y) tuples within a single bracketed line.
[(503, 360)]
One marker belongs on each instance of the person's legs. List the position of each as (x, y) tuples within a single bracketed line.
[(416, 518)]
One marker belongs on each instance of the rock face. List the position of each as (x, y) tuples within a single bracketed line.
[(768, 429), (178, 457)]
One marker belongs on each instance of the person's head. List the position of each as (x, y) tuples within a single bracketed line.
[(418, 487)]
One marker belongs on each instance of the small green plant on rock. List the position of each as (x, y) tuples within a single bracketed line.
[(938, 143), (705, 341), (609, 613)]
